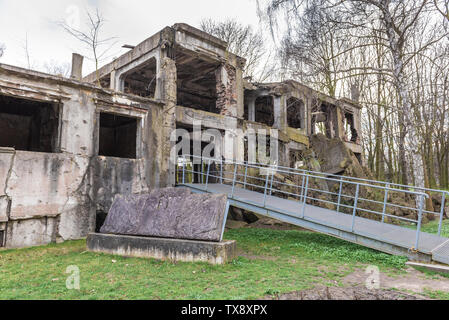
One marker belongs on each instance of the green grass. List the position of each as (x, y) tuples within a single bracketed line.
[(270, 262), (432, 227), (438, 295)]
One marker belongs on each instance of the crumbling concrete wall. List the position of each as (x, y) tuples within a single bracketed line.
[(48, 197)]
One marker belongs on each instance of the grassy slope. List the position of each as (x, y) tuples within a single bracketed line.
[(270, 262)]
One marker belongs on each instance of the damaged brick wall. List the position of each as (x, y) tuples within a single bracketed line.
[(226, 90)]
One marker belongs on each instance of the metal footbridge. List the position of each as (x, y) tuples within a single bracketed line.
[(356, 210)]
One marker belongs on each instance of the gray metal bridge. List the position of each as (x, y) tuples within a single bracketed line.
[(362, 215)]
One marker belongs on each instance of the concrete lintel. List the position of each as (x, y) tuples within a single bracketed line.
[(163, 249)]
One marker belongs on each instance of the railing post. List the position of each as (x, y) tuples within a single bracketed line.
[(221, 170), (339, 194), (385, 203), (271, 183), (207, 177), (233, 180), (443, 203), (202, 171), (246, 173), (265, 190), (305, 198), (184, 163), (302, 187), (418, 229), (355, 206)]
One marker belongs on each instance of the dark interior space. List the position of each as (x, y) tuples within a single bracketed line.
[(324, 119), (100, 218), (142, 80), (265, 110), (359, 157), (247, 97), (295, 156), (28, 125), (197, 83), (199, 168), (105, 82), (118, 136), (350, 130), (295, 113)]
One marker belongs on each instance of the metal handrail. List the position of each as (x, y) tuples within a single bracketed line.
[(270, 187), (339, 178), (443, 193)]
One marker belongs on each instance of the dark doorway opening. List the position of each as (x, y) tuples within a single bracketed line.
[(265, 110), (295, 113), (100, 218)]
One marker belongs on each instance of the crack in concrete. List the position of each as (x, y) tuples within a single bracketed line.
[(8, 176)]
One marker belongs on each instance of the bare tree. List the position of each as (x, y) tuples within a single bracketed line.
[(243, 41), (442, 7), (26, 49), (91, 36), (366, 24), (56, 68), (2, 49)]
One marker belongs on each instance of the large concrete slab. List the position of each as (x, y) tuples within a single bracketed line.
[(168, 213), (163, 249)]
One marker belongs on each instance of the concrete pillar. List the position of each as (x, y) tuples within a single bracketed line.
[(168, 93), (77, 66), (240, 92), (252, 109), (112, 82), (279, 110)]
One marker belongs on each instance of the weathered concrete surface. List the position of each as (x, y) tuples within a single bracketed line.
[(169, 213), (4, 207), (45, 197), (31, 232), (163, 249), (335, 156)]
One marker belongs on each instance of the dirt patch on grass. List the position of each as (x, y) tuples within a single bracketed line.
[(412, 285), (413, 280), (345, 293)]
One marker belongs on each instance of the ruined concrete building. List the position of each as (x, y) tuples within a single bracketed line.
[(67, 146)]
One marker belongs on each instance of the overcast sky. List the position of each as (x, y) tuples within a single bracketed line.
[(131, 21)]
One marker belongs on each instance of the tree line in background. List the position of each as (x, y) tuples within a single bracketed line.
[(393, 58)]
